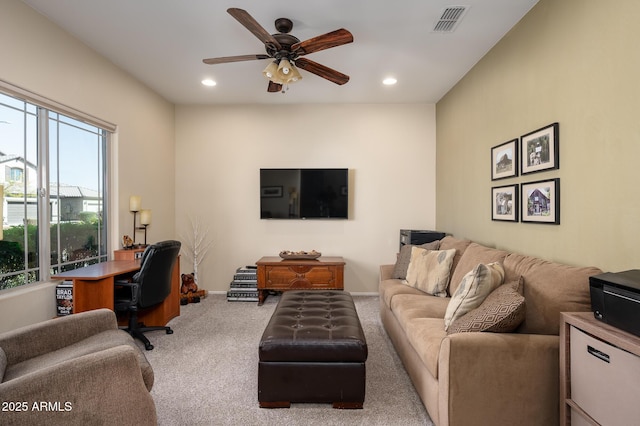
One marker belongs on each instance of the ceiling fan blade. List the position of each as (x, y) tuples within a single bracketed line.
[(274, 87), (321, 42), (252, 25), (322, 71), (239, 58)]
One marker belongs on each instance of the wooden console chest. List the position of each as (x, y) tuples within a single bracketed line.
[(275, 273)]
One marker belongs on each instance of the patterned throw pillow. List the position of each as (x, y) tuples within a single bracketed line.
[(404, 257), (475, 286), (430, 270), (501, 312)]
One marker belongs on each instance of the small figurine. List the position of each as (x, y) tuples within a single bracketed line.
[(189, 290), (127, 241), (188, 284)]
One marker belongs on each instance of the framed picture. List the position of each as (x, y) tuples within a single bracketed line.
[(271, 192), (539, 149), (504, 203), (504, 160), (541, 201)]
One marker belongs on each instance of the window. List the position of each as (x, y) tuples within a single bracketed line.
[(53, 192), (15, 174)]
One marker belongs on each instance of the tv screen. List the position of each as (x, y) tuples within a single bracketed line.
[(304, 193)]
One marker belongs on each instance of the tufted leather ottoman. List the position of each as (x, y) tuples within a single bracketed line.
[(313, 350)]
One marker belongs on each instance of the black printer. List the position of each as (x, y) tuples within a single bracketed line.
[(615, 299)]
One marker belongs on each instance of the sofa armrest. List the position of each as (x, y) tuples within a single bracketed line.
[(47, 336), (102, 386), (506, 378), (386, 272)]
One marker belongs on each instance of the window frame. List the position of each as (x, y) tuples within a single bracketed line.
[(45, 106)]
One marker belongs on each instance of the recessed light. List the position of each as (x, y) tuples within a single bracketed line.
[(389, 81), (208, 82)]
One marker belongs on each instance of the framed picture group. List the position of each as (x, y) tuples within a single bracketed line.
[(535, 201)]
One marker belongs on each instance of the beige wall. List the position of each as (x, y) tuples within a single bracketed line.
[(389, 150), (38, 56), (570, 61)]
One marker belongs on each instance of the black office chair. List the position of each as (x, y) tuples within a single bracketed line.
[(149, 287)]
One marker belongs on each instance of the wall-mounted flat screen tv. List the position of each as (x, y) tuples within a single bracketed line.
[(304, 193)]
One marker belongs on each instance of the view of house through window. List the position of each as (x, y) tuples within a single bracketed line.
[(52, 183)]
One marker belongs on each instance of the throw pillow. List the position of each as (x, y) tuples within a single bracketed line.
[(430, 270), (404, 257), (475, 286), (502, 311)]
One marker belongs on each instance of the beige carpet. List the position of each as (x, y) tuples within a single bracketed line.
[(206, 372)]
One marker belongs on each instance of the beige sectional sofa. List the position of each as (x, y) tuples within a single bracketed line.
[(485, 378)]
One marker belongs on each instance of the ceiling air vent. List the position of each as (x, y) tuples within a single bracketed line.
[(449, 19)]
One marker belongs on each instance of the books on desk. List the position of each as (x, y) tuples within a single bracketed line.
[(244, 287)]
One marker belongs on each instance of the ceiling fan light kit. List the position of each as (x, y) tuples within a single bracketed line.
[(286, 50), (282, 72)]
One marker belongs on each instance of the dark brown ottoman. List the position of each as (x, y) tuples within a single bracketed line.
[(313, 350)]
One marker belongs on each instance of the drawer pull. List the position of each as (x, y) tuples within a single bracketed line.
[(598, 354)]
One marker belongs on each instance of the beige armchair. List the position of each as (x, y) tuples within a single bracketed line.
[(79, 369)]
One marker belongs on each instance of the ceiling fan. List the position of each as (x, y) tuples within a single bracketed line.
[(286, 51)]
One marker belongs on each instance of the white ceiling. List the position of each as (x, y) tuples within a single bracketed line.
[(162, 43)]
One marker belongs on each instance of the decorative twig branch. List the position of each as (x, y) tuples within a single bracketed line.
[(196, 245)]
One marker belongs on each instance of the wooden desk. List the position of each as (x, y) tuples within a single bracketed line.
[(93, 285), (275, 273), (93, 288)]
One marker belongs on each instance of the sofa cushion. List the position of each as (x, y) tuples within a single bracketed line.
[(501, 312), (388, 289), (404, 257), (96, 343), (474, 254), (425, 335), (476, 285), (429, 270), (406, 307), (450, 242), (549, 288), (3, 364)]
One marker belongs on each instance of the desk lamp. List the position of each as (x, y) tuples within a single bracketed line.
[(145, 220), (134, 206)]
